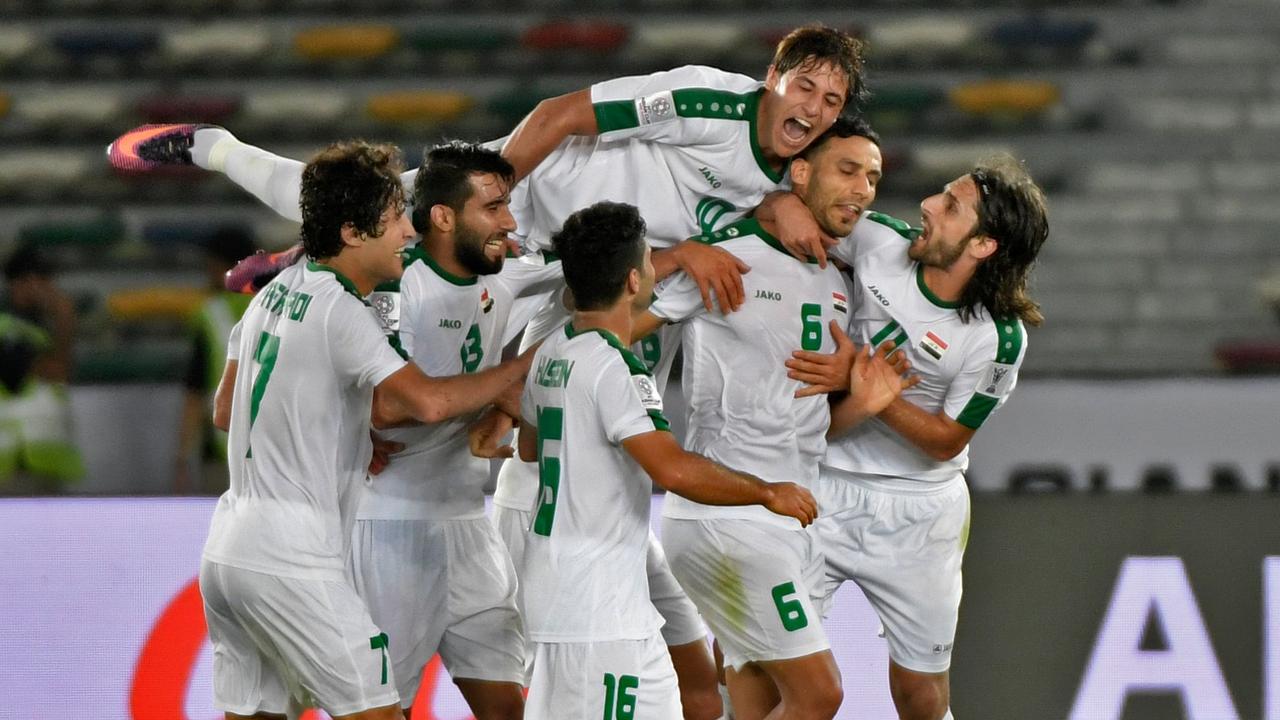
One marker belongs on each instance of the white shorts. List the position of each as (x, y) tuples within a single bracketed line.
[(683, 624), (276, 637), (610, 679), (443, 586), (904, 550), (751, 581)]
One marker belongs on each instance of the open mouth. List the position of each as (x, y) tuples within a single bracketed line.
[(496, 245), (796, 129)]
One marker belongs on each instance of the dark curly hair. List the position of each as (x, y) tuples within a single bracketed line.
[(817, 44), (598, 247), (348, 182), (444, 178), (1012, 210)]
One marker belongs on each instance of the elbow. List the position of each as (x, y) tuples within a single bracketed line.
[(943, 453), (222, 420)]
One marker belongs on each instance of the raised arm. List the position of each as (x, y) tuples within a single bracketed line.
[(702, 480), (542, 130), (410, 394)]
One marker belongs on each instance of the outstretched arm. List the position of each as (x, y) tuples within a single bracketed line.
[(542, 130), (702, 480), (410, 394)]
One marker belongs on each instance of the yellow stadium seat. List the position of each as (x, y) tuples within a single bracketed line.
[(155, 303), (346, 41), (1010, 97), (419, 106)]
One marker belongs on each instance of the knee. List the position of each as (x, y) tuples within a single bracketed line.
[(506, 707), (821, 700), (925, 700), (701, 704)]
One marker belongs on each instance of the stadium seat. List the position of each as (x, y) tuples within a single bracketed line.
[(346, 42), (98, 232), (44, 172), (510, 107), (1005, 97), (223, 43), (216, 109), (83, 108), (108, 41), (447, 38), (1038, 33), (4, 105), (418, 106), (921, 38), (598, 36), (312, 105), (1183, 113), (690, 38), (155, 303), (1220, 49), (15, 43), (899, 107)]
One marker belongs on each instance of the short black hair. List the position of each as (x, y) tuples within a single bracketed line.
[(348, 182), (445, 178), (846, 125), (818, 44), (598, 247)]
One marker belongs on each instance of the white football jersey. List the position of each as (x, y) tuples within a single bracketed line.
[(584, 573), (743, 412), (966, 370), (448, 325), (309, 356), (680, 145)]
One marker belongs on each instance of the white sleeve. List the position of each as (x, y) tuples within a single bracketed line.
[(988, 376), (273, 179), (358, 349), (673, 106), (634, 405), (678, 299), (233, 340)]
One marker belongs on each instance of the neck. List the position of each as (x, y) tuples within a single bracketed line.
[(616, 319), (948, 284), (763, 138), (440, 248), (347, 266)]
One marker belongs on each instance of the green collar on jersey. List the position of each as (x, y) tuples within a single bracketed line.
[(753, 115), (343, 280), (418, 253), (748, 226), (634, 364), (928, 294)]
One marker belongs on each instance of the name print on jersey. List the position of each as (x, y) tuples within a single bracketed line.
[(553, 373), (278, 299)]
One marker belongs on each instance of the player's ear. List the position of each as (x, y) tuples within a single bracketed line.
[(800, 171), (771, 78), (350, 235), (982, 247), (443, 218), (633, 281)]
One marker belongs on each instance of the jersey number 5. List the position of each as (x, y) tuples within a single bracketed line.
[(550, 427)]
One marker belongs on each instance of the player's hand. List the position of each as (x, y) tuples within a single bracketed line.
[(485, 435), (877, 379), (714, 269), (798, 231), (382, 452), (792, 500), (823, 372)]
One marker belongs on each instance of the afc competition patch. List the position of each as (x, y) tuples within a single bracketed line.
[(648, 390), (997, 381), (386, 308), (655, 108)]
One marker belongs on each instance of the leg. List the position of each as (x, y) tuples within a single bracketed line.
[(685, 636), (491, 700), (386, 712), (697, 676), (917, 695), (809, 687), (752, 691)]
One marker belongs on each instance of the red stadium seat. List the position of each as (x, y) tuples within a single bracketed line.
[(592, 35), (185, 108)]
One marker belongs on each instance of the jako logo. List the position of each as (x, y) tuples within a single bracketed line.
[(447, 323), (876, 291)]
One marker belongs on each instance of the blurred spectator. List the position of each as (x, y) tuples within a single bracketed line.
[(37, 451), (202, 448)]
